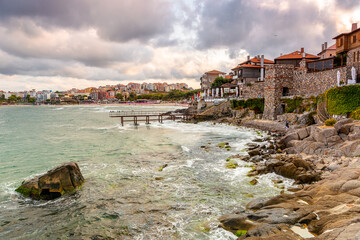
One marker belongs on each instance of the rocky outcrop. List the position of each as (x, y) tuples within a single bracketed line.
[(329, 208), (292, 166), (265, 125), (341, 140), (53, 184)]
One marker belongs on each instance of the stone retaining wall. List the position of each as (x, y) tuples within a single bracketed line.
[(256, 90), (277, 77), (315, 83)]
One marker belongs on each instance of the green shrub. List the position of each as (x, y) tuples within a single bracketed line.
[(343, 100), (293, 104), (256, 104), (239, 233), (330, 122), (355, 114)]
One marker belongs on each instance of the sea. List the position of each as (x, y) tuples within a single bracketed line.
[(125, 194)]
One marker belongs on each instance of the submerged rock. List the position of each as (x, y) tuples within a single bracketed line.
[(53, 184)]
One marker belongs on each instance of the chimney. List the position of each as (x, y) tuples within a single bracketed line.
[(258, 57), (280, 54), (325, 45), (354, 27), (322, 47), (304, 55), (248, 58), (302, 50), (262, 68)]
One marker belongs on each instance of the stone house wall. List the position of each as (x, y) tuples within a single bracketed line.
[(256, 90), (315, 83), (278, 77), (353, 62)]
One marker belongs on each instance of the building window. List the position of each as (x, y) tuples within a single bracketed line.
[(340, 42), (354, 39), (354, 57), (285, 91), (358, 53)]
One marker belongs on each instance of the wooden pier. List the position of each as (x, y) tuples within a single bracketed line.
[(148, 116)]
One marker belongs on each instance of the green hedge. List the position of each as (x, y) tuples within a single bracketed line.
[(343, 100), (256, 104), (355, 114)]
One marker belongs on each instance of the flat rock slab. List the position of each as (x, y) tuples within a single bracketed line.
[(53, 184)]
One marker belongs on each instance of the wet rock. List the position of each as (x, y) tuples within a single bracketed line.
[(252, 146), (235, 222), (53, 184), (254, 152), (258, 140), (162, 167), (256, 159), (277, 181), (253, 182), (257, 203)]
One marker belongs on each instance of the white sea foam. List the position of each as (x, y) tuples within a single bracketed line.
[(185, 149)]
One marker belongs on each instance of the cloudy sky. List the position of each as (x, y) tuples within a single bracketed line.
[(52, 44)]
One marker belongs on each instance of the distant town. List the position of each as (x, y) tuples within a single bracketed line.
[(103, 94)]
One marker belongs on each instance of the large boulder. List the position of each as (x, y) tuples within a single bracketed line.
[(343, 122), (321, 134), (53, 184)]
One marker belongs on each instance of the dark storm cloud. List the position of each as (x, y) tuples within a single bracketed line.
[(114, 20), (347, 4), (263, 29)]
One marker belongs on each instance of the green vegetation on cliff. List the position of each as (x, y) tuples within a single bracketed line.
[(173, 95), (256, 104), (343, 100), (355, 114)]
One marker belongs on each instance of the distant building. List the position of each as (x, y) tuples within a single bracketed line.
[(208, 78), (250, 70), (327, 52)]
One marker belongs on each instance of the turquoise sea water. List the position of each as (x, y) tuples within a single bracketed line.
[(121, 198)]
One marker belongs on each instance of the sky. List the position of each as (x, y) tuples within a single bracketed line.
[(59, 45)]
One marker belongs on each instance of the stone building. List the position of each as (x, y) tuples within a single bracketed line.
[(208, 78), (297, 78)]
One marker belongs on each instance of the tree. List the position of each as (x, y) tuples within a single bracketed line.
[(132, 96), (220, 81), (32, 100), (12, 98), (119, 96), (2, 97)]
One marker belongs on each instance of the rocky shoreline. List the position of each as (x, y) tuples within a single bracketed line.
[(323, 160), (326, 200)]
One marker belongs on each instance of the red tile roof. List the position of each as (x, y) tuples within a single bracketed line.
[(255, 60), (228, 77), (297, 55), (332, 47), (246, 66), (214, 72)]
